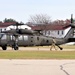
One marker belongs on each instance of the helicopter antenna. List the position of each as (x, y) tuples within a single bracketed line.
[(71, 18)]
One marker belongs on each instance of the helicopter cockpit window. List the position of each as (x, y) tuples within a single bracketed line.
[(1, 35)]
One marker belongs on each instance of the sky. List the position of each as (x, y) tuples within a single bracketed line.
[(21, 10)]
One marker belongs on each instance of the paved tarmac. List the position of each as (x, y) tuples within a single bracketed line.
[(37, 67), (39, 48)]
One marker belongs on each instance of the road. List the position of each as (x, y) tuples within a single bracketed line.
[(37, 67)]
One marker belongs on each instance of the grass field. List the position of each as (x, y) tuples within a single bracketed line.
[(37, 55), (33, 54)]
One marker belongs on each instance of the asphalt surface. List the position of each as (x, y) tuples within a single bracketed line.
[(42, 48), (37, 67)]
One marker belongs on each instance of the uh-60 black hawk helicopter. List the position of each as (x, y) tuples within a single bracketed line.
[(27, 37)]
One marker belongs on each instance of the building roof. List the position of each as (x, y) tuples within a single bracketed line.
[(39, 27), (6, 24), (10, 25), (50, 27)]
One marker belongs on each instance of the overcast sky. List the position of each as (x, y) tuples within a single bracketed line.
[(21, 10)]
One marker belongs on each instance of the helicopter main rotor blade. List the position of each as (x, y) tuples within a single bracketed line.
[(20, 31)]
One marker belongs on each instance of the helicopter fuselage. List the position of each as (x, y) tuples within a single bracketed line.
[(28, 40)]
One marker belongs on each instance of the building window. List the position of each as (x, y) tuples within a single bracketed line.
[(58, 32), (48, 32), (45, 32), (62, 32), (0, 30), (25, 28), (5, 29)]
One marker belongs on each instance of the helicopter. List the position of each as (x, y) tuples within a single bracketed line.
[(28, 37), (12, 35)]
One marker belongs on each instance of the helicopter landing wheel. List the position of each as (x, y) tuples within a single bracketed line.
[(4, 47), (16, 48)]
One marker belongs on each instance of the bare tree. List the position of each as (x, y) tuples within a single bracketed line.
[(61, 22), (40, 19)]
